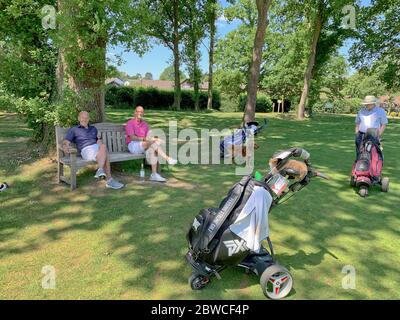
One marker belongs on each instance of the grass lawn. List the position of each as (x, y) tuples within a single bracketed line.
[(130, 243)]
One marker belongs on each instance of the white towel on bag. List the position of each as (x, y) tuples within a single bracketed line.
[(252, 223)]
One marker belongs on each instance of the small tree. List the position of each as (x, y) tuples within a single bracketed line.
[(148, 76)]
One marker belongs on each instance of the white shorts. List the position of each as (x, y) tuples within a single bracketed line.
[(136, 147), (89, 153)]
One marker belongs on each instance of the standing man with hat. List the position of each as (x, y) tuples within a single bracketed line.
[(372, 116)]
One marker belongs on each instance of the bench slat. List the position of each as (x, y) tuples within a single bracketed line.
[(114, 141), (118, 145), (109, 141)]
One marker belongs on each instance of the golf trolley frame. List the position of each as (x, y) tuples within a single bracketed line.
[(213, 248)]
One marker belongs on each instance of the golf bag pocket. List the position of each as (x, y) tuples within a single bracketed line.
[(230, 250), (362, 167), (376, 163), (197, 240)]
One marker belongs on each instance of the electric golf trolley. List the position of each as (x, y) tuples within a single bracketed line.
[(367, 168), (213, 239)]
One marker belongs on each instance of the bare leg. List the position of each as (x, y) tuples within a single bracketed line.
[(151, 156), (107, 168), (159, 151), (154, 168), (101, 156), (103, 160)]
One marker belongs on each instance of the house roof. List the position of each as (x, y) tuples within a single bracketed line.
[(159, 84), (164, 84), (116, 81)]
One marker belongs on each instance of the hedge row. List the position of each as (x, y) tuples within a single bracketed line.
[(152, 98), (238, 104)]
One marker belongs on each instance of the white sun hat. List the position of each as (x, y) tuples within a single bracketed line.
[(369, 100)]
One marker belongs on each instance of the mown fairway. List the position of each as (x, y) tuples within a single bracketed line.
[(130, 244)]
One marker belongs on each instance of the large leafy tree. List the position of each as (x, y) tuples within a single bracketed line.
[(27, 63), (330, 81), (325, 18), (27, 56), (361, 84), (169, 74), (85, 28), (377, 43), (233, 53), (284, 60)]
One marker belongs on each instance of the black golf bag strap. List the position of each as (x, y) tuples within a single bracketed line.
[(271, 248), (223, 213)]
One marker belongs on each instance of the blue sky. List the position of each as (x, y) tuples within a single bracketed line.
[(160, 57)]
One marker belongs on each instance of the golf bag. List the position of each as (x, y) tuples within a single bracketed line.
[(232, 234), (210, 231), (233, 145), (3, 186), (367, 168)]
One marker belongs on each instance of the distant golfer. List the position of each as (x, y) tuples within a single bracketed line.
[(138, 141), (369, 117), (91, 148)]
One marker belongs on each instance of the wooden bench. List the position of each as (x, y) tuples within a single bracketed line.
[(112, 135)]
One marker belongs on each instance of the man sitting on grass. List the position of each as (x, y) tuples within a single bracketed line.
[(91, 148), (138, 143)]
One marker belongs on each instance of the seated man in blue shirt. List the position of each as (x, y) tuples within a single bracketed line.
[(371, 116), (91, 148)]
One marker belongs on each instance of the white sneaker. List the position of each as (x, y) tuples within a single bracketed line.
[(157, 177), (172, 161), (114, 184)]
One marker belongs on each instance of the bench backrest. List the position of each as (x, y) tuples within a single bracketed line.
[(113, 135)]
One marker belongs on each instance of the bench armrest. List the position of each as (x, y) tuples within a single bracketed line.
[(71, 150)]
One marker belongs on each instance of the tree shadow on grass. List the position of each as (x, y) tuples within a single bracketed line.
[(138, 233)]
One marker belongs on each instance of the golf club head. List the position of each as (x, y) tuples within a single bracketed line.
[(260, 128), (319, 174)]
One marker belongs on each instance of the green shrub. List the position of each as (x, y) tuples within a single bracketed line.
[(263, 103), (229, 103), (40, 115), (347, 106), (350, 105), (7, 101), (153, 98), (123, 96)]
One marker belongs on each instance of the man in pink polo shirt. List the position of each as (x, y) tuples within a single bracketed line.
[(138, 142)]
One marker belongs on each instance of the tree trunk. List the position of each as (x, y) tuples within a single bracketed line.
[(196, 90), (60, 76), (85, 73), (254, 72), (211, 58), (60, 68), (177, 90), (310, 66), (196, 76), (89, 86)]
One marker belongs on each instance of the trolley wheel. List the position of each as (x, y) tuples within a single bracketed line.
[(385, 184), (363, 192), (276, 282), (198, 281)]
